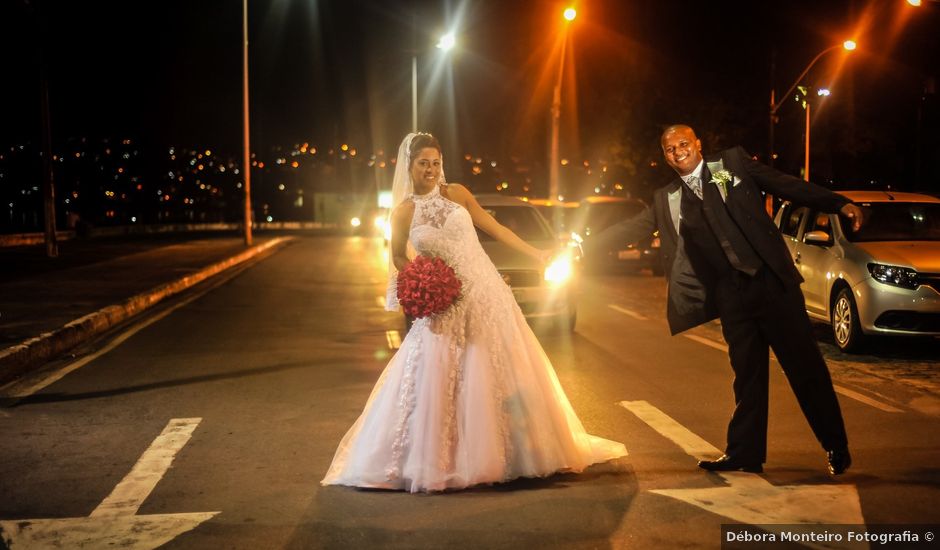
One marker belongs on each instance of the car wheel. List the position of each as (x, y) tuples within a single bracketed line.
[(846, 329)]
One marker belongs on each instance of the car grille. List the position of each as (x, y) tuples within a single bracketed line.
[(914, 321), (522, 278), (929, 279)]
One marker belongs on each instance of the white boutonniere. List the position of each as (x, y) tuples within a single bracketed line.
[(721, 177)]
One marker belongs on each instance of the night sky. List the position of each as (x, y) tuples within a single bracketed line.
[(169, 73)]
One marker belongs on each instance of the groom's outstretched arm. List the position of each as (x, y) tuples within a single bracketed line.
[(624, 233), (790, 187)]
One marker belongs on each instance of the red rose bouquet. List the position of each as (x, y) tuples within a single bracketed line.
[(427, 286)]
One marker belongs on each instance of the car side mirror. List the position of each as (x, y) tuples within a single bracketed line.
[(818, 237)]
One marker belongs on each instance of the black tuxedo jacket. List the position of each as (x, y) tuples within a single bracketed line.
[(690, 301)]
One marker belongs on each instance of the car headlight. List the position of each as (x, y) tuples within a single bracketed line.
[(904, 277), (559, 270)]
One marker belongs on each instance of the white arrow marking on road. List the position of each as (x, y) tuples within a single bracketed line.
[(749, 498), (114, 522)]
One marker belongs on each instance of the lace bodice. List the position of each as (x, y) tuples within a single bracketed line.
[(441, 227)]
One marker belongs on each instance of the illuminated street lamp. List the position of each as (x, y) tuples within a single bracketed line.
[(915, 3), (553, 191), (848, 46), (445, 44), (821, 92)]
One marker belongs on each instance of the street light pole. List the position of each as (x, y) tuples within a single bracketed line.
[(445, 44), (247, 141), (414, 92), (848, 45), (806, 166), (553, 186)]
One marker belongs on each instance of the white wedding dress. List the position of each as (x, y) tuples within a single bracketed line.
[(470, 397)]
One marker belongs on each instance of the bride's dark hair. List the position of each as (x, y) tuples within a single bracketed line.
[(419, 142)]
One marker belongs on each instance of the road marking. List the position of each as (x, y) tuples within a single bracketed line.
[(633, 314), (380, 300), (749, 498), (866, 400), (708, 342), (114, 523), (393, 338), (131, 492), (692, 444), (27, 386)]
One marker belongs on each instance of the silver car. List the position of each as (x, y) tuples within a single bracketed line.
[(882, 280), (542, 292)]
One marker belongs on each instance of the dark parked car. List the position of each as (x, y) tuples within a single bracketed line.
[(598, 213)]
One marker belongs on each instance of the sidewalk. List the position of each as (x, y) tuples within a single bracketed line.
[(49, 305)]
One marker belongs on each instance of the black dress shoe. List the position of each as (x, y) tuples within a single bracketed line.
[(728, 464), (839, 460)]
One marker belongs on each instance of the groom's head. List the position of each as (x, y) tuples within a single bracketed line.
[(683, 151)]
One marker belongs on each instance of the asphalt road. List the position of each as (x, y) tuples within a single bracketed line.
[(209, 423)]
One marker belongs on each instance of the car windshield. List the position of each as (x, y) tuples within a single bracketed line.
[(524, 221), (896, 221)]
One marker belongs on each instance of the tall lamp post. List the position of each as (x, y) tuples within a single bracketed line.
[(848, 46), (247, 141), (569, 14), (822, 92), (445, 44)]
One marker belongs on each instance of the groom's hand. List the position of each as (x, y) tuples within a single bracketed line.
[(853, 213)]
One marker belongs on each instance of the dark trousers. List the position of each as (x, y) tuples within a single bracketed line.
[(761, 313)]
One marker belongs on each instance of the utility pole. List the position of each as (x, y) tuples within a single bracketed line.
[(247, 134), (48, 188)]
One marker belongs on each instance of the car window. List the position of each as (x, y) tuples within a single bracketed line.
[(896, 221), (791, 220), (523, 220)]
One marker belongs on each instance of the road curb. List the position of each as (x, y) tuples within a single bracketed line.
[(17, 359)]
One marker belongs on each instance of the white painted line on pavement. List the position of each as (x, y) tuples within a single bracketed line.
[(692, 444), (866, 400), (633, 314), (707, 341), (749, 498), (380, 300), (25, 387), (131, 492), (393, 338)]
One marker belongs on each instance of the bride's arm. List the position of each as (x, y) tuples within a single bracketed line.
[(401, 227), (482, 219)]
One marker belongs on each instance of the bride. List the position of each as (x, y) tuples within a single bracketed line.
[(470, 397)]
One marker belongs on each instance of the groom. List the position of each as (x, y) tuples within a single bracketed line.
[(724, 258)]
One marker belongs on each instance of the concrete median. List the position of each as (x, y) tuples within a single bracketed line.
[(20, 358)]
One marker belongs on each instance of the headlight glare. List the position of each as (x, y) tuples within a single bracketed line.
[(904, 277), (559, 270)]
